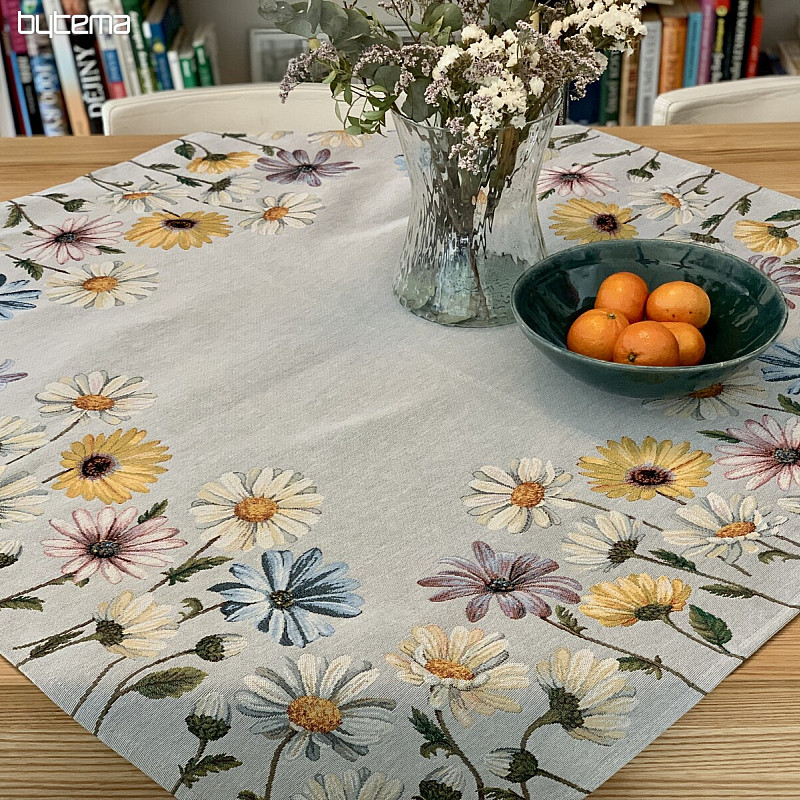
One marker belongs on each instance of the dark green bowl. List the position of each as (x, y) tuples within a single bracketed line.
[(748, 311)]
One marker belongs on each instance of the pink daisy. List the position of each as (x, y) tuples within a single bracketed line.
[(785, 277), (764, 451), (578, 179), (518, 582), (76, 238), (112, 543)]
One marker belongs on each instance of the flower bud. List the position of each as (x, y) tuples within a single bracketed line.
[(211, 718), (448, 775), (220, 646), (512, 764), (10, 551)]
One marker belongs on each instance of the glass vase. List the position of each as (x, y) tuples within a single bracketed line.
[(470, 234)]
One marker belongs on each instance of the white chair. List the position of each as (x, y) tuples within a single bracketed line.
[(769, 99), (247, 108)]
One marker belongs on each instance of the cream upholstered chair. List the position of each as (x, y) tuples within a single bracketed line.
[(770, 99), (241, 108)]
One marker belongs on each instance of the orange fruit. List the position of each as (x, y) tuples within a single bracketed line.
[(595, 332), (623, 292), (679, 301), (691, 344), (647, 344)]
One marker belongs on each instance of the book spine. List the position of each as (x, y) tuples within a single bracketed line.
[(718, 49), (189, 70), (610, 89), (175, 68), (22, 69), (649, 63), (691, 64), (204, 71), (7, 127), (586, 111), (110, 60), (754, 45), (155, 34), (628, 84), (125, 50), (46, 81), (709, 10), (90, 77), (144, 69), (735, 55), (673, 51), (21, 121)]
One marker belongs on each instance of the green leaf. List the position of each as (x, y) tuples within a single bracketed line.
[(433, 790), (187, 181), (646, 665), (81, 584), (54, 643), (14, 216), (171, 166), (415, 106), (173, 682), (721, 435), (744, 205), (74, 205), (703, 238), (435, 737), (545, 195), (786, 216), (509, 12), (109, 250), (23, 603), (711, 628), (768, 556), (155, 511), (194, 607), (710, 222), (267, 150), (332, 19), (641, 174), (502, 794), (33, 269), (314, 14), (206, 766), (248, 796), (793, 262), (183, 572), (787, 404), (55, 196), (569, 620), (674, 560), (726, 590), (186, 150), (448, 13)]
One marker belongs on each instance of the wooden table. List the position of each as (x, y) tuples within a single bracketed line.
[(742, 740)]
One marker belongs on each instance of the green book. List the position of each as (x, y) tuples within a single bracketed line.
[(610, 85), (205, 55), (188, 64), (137, 11)]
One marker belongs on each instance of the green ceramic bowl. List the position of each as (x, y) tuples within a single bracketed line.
[(748, 311)]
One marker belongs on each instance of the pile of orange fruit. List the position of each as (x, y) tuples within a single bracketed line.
[(629, 324)]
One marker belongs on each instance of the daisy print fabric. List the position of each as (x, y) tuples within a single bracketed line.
[(300, 545)]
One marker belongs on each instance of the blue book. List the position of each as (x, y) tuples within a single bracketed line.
[(586, 111), (19, 88), (694, 36), (160, 29)]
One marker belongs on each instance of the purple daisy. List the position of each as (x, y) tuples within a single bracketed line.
[(785, 276), (9, 377), (297, 167), (519, 582), (75, 239)]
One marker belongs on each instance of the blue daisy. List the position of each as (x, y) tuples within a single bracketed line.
[(290, 597), (13, 297), (783, 364)]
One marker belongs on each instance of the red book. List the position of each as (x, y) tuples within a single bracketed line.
[(754, 46)]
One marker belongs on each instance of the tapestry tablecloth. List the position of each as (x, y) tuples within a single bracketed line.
[(270, 536)]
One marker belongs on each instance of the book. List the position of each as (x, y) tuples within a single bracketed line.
[(21, 69), (629, 81), (106, 43), (13, 85), (137, 10), (736, 39), (7, 126), (45, 74), (694, 33), (188, 64), (674, 24), (721, 9), (709, 9), (160, 28), (586, 111), (205, 52), (68, 75), (789, 54), (649, 66), (610, 89), (127, 58), (174, 59), (754, 41)]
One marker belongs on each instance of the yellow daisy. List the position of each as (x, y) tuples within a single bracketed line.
[(109, 469), (592, 221), (640, 472), (190, 229), (217, 163), (764, 237), (637, 598)]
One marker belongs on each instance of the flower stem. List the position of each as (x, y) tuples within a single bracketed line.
[(57, 475), (24, 215), (729, 209), (192, 556), (558, 779), (167, 172), (42, 641), (660, 665), (57, 436), (95, 683), (701, 642), (195, 758), (615, 155), (197, 144), (549, 718), (459, 753), (273, 764), (787, 539)]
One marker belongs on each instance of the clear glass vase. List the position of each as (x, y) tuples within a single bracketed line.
[(470, 234)]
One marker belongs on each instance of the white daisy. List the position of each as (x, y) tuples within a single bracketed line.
[(4, 247), (266, 507), (589, 697), (112, 283), (21, 497), (449, 775), (723, 529), (528, 492), (512, 764), (351, 785), (95, 396), (662, 201), (18, 436), (135, 627), (290, 210), (337, 139), (10, 551), (149, 196), (467, 671), (712, 402), (319, 704), (231, 190), (605, 543), (790, 504)]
